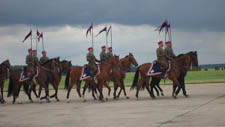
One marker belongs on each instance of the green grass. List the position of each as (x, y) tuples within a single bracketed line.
[(193, 77)]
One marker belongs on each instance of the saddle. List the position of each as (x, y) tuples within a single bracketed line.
[(155, 69), (25, 75), (86, 72)]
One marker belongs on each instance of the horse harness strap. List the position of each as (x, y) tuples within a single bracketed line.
[(46, 69)]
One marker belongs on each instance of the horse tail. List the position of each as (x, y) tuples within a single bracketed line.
[(67, 80), (135, 81), (10, 87)]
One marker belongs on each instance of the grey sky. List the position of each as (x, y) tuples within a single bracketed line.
[(196, 25), (184, 14)]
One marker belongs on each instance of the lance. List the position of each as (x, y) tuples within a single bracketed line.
[(106, 38), (92, 36), (111, 36), (42, 40)]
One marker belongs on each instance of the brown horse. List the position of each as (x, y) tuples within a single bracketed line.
[(4, 67), (44, 77), (75, 73), (61, 67), (119, 73), (155, 81), (173, 74)]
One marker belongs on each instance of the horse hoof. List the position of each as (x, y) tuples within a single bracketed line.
[(57, 100), (31, 101), (84, 100), (162, 94), (127, 97), (68, 100), (175, 97), (187, 96), (106, 99)]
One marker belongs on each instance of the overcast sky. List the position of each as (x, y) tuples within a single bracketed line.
[(196, 25)]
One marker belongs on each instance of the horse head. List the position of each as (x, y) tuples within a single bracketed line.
[(194, 58), (66, 65), (132, 59), (6, 64)]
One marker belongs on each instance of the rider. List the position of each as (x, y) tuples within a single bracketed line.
[(160, 54), (103, 55), (36, 61), (30, 62), (44, 58), (169, 51), (91, 62), (109, 54)]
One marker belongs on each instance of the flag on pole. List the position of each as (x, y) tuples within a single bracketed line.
[(165, 24), (28, 35), (89, 30), (104, 29), (108, 31), (40, 36)]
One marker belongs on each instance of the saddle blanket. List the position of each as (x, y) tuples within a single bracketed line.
[(25, 76), (85, 73), (155, 69)]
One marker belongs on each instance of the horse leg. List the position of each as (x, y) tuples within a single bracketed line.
[(157, 85), (140, 83), (16, 93), (175, 85), (153, 86), (55, 86), (2, 87), (115, 89), (182, 86), (147, 87), (124, 90), (101, 97), (78, 89), (109, 89), (34, 91), (69, 89), (46, 93), (94, 90)]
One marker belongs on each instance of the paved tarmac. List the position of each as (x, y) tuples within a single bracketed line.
[(204, 108)]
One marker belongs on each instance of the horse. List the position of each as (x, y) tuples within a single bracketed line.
[(61, 67), (119, 73), (173, 74), (4, 67), (43, 79), (155, 81), (181, 79), (75, 73)]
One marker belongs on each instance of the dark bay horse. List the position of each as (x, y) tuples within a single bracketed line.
[(42, 79), (61, 67), (155, 81), (119, 73), (75, 73), (184, 61), (4, 67)]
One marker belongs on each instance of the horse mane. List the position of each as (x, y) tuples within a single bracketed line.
[(63, 61), (47, 62)]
